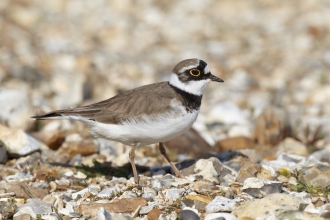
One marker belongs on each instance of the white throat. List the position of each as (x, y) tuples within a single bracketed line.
[(192, 87)]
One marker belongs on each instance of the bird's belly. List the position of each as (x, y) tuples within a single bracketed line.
[(147, 131)]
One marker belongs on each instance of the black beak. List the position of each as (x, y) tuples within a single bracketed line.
[(214, 78)]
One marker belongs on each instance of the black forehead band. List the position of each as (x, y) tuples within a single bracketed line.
[(202, 64)]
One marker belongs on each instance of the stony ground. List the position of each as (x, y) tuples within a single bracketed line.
[(260, 148)]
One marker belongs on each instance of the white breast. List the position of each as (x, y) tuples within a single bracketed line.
[(149, 130)]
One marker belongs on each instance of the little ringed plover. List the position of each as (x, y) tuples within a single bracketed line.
[(148, 114)]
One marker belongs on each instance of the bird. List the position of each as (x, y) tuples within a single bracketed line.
[(149, 114)]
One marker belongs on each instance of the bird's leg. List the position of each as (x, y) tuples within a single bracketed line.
[(131, 159), (163, 152)]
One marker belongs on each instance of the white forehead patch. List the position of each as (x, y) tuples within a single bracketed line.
[(188, 67), (206, 70)]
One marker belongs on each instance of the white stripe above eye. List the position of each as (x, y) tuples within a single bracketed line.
[(195, 87), (188, 67)]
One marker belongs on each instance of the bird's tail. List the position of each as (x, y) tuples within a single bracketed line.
[(50, 115)]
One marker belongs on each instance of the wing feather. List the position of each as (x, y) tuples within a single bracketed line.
[(134, 103)]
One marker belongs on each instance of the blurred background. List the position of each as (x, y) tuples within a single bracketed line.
[(64, 53)]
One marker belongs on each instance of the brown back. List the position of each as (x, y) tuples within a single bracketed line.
[(145, 100)]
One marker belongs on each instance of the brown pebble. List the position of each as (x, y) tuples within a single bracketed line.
[(235, 143), (26, 191), (119, 206), (56, 141), (85, 148), (46, 176), (154, 214), (248, 170)]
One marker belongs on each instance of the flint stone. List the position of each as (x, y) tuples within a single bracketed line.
[(220, 216), (3, 153), (145, 210), (34, 207), (292, 146), (103, 214), (15, 109), (17, 142), (51, 216), (259, 188), (157, 184), (107, 192), (318, 175), (118, 206), (210, 169), (174, 193), (91, 189), (188, 215), (271, 205), (220, 204)]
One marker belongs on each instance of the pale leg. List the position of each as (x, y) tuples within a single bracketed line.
[(131, 159), (163, 152)]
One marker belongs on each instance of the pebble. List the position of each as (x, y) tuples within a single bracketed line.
[(107, 193), (15, 114), (3, 153), (51, 216), (199, 198), (17, 142), (154, 214), (236, 143), (41, 185), (292, 146), (240, 131), (157, 184), (218, 216), (103, 214), (290, 161), (259, 188), (118, 206), (174, 193), (171, 216), (34, 207), (93, 189), (304, 196), (248, 170), (318, 175), (188, 215), (271, 205), (318, 157), (21, 177), (220, 204), (145, 210), (209, 169), (68, 209), (149, 194)]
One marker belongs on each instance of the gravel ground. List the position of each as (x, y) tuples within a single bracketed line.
[(260, 148)]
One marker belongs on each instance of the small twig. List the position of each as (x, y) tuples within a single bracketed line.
[(27, 190), (136, 212)]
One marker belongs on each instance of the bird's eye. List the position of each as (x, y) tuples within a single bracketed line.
[(195, 72)]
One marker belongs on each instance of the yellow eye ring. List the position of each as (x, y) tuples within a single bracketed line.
[(195, 72)]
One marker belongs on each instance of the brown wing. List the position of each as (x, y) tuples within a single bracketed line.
[(145, 100)]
